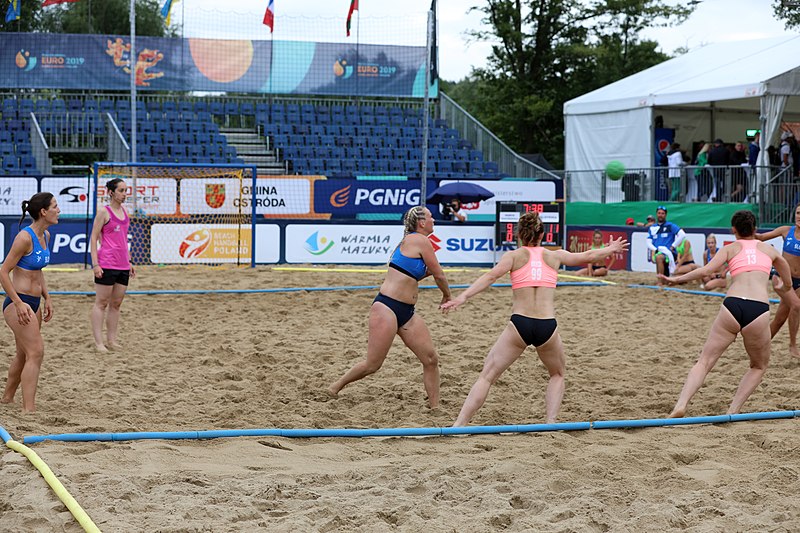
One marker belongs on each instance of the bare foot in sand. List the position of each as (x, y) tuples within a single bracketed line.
[(677, 413), (6, 400), (793, 351), (114, 347), (100, 348), (333, 393)]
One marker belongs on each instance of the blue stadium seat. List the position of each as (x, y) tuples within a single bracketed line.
[(459, 167), (169, 106), (9, 105), (385, 153), (42, 106), (397, 168), (231, 108), (194, 151), (333, 165), (262, 109), (349, 166), (153, 105), (25, 106), (216, 109), (201, 107), (104, 106), (24, 149), (6, 149), (381, 166), (185, 108), (247, 109), (415, 154), (475, 155), (172, 116), (444, 166), (490, 168), (6, 137)]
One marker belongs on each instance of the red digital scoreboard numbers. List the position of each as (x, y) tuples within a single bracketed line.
[(551, 214)]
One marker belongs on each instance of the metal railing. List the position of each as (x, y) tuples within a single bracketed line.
[(39, 148), (508, 161), (725, 184), (118, 149), (73, 132), (778, 197)]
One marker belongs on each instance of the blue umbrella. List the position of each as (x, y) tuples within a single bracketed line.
[(464, 191)]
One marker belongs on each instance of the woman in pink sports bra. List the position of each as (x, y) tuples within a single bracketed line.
[(533, 281), (111, 265), (745, 309)]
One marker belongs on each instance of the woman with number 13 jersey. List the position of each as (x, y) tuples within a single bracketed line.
[(533, 280)]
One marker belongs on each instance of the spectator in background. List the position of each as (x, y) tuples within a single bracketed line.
[(718, 279), (755, 148), (685, 260), (630, 222), (675, 163), (662, 238), (738, 175), (453, 211), (599, 267), (718, 157), (701, 175), (772, 156), (786, 159), (650, 221)]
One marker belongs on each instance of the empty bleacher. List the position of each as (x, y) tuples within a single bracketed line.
[(332, 139)]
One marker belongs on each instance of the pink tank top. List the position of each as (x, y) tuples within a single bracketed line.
[(749, 259), (113, 253), (535, 273)]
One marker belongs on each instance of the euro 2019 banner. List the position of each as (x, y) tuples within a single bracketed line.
[(104, 62)]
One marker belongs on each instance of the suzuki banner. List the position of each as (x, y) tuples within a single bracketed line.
[(104, 62)]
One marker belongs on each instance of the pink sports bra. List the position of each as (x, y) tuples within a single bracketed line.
[(749, 259), (535, 273)]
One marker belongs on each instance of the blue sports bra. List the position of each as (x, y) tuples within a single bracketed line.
[(790, 244), (38, 258), (410, 266)]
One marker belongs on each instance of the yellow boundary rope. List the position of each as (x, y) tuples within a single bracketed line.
[(65, 497)]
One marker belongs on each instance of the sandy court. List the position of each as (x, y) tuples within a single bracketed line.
[(238, 361)]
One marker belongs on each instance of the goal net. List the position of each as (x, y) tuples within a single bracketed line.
[(183, 213)]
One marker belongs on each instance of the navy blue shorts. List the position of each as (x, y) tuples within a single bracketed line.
[(403, 311), (33, 301)]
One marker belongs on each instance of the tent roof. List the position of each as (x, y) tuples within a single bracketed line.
[(724, 71)]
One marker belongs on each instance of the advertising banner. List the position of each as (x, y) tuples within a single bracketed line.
[(268, 243), (200, 243), (104, 62), (506, 191), (348, 244), (581, 240), (466, 245), (152, 196), (74, 194), (13, 190), (274, 196), (346, 198)]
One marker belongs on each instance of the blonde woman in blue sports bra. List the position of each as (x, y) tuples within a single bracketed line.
[(392, 311), (533, 283), (22, 279), (791, 252)]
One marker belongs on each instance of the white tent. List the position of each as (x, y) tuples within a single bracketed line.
[(717, 91)]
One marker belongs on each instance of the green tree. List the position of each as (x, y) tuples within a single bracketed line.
[(789, 12), (109, 17), (546, 52)]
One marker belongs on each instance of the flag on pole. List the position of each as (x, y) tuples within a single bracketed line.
[(166, 10), (13, 12), (434, 54), (54, 2), (353, 7), (269, 16)]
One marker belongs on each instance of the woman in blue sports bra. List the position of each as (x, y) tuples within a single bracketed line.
[(22, 279), (791, 252), (392, 311)]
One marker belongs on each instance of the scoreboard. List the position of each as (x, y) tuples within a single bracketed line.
[(550, 213)]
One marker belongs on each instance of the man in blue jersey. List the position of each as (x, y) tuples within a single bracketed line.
[(662, 239)]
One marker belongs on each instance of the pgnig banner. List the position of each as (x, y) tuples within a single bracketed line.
[(63, 61)]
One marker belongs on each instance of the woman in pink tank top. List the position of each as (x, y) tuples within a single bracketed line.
[(533, 280), (111, 264), (745, 309)]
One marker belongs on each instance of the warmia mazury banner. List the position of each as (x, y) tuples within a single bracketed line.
[(60, 61)]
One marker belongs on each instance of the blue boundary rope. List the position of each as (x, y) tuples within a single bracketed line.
[(689, 291), (412, 432), (309, 289)]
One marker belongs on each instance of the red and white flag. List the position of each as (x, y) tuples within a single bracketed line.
[(269, 16), (53, 2)]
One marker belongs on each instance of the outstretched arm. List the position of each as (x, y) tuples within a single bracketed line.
[(591, 256), (782, 231), (710, 268), (504, 265)]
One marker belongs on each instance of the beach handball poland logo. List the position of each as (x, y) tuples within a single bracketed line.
[(195, 244), (25, 61), (341, 69), (316, 245)]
